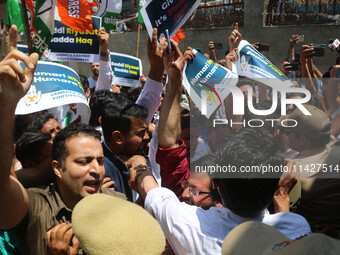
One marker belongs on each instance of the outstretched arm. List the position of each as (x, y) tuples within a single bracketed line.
[(151, 93), (169, 128), (105, 75), (14, 84), (306, 58), (292, 41)]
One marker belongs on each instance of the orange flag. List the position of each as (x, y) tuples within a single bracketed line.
[(179, 36), (76, 14)]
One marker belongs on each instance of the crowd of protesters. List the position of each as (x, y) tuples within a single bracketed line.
[(140, 148)]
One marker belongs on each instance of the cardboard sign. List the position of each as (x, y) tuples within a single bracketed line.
[(254, 65), (207, 82), (127, 69), (54, 85), (167, 14), (74, 46)]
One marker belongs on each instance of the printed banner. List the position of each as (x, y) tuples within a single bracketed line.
[(74, 46), (207, 82), (254, 65), (167, 14), (127, 69), (54, 85)]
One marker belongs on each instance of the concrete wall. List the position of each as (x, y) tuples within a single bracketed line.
[(253, 30)]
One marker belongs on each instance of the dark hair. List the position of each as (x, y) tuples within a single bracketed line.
[(84, 82), (103, 99), (185, 111), (97, 103), (37, 123), (132, 110), (59, 150), (134, 93), (246, 195), (29, 144), (116, 119)]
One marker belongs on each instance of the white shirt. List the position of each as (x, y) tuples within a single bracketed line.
[(192, 230), (105, 76), (155, 168), (150, 97), (92, 82)]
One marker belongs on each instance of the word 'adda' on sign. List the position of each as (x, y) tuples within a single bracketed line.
[(71, 40)]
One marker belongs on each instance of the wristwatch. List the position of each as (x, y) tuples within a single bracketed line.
[(105, 54)]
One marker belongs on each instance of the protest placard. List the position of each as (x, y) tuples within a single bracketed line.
[(207, 82), (54, 85), (74, 46), (127, 69), (254, 65), (167, 14)]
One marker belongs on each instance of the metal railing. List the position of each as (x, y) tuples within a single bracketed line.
[(295, 12), (212, 14)]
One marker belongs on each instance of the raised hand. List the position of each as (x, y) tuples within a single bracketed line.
[(293, 40), (175, 67), (234, 38), (14, 80), (231, 57), (155, 55), (103, 38)]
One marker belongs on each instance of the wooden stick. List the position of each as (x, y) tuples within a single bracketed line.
[(139, 26), (4, 37), (27, 29)]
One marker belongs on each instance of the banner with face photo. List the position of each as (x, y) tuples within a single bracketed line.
[(127, 69), (207, 83), (167, 14), (54, 85)]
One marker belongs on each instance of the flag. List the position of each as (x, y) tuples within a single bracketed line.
[(44, 24), (110, 11), (140, 18), (14, 14), (179, 36), (76, 14)]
